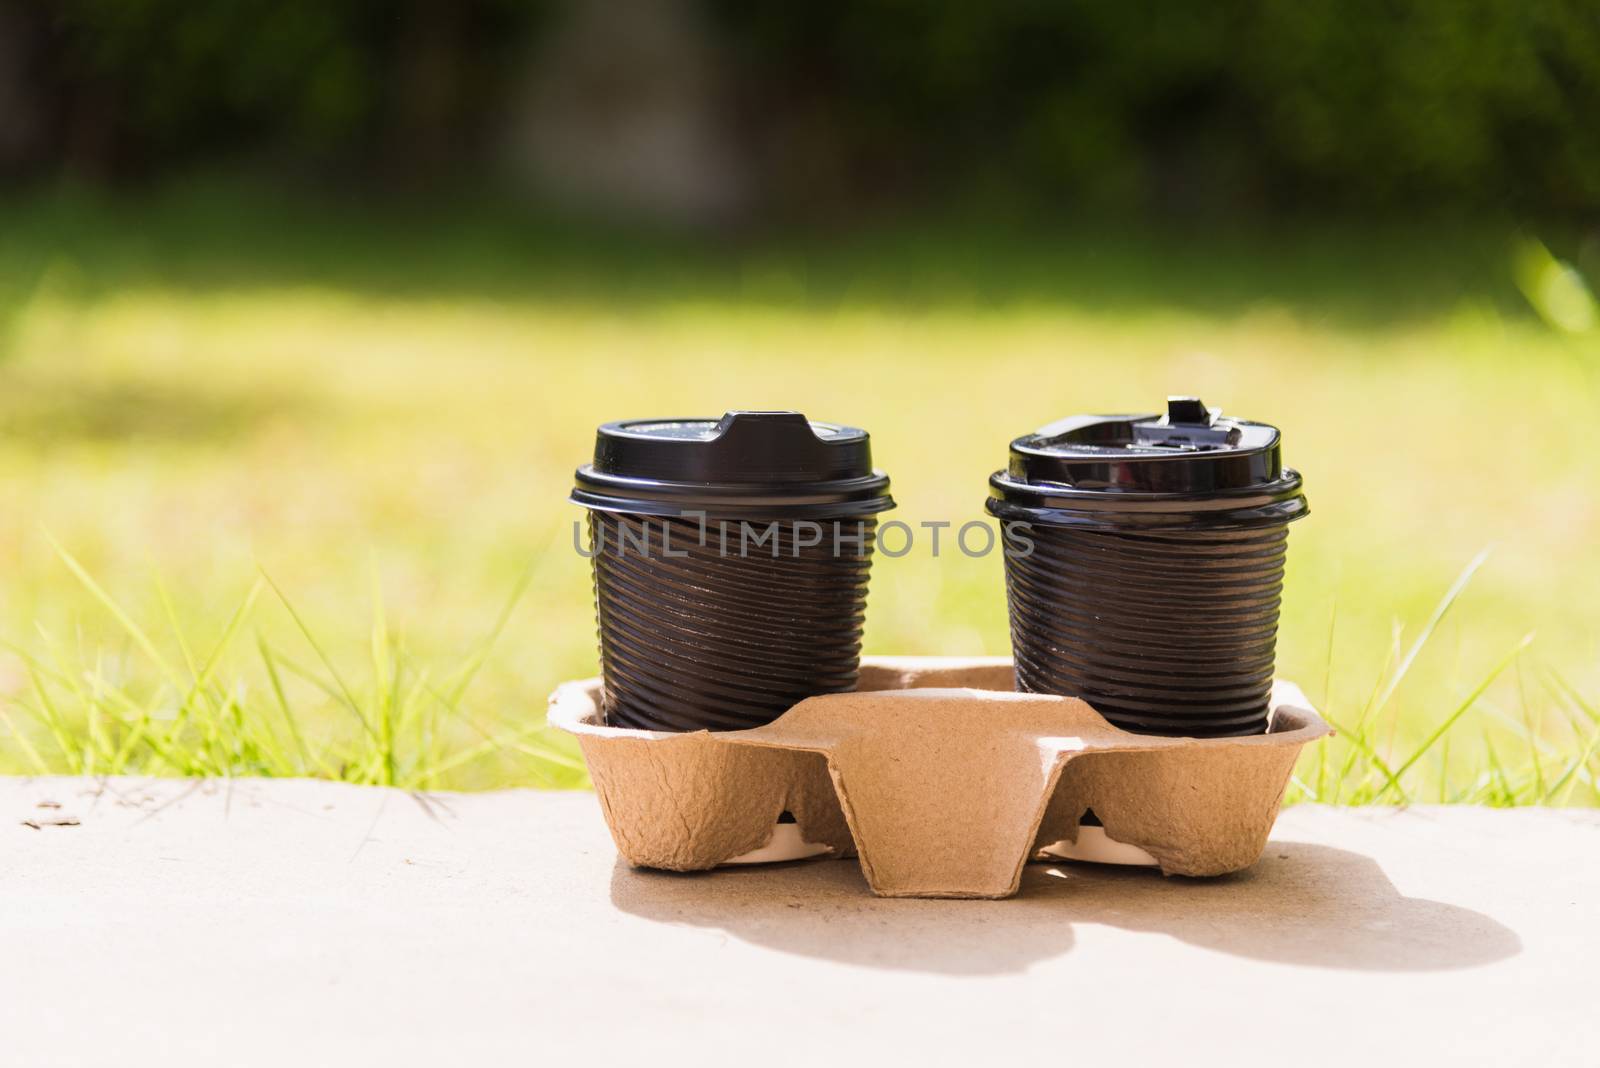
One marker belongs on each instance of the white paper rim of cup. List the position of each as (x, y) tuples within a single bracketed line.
[(786, 844), (1093, 846), (1097, 847)]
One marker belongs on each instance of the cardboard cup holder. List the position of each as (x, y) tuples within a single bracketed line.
[(942, 779)]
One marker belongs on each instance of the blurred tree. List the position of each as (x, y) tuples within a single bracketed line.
[(1239, 103), (624, 111), (1233, 106), (147, 85)]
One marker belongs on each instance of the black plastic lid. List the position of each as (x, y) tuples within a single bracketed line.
[(745, 465), (1190, 467)]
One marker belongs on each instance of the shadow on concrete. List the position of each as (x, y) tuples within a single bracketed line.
[(1301, 904)]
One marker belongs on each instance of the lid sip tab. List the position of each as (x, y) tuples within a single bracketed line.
[(1191, 467), (1187, 411), (776, 464)]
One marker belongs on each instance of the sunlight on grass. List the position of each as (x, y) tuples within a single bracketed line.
[(398, 462), (398, 724), (402, 724)]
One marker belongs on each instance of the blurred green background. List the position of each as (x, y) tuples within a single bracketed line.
[(337, 293)]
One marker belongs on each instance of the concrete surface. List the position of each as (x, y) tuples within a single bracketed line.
[(181, 923)]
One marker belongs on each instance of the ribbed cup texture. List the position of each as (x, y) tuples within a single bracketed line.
[(1168, 634), (722, 640)]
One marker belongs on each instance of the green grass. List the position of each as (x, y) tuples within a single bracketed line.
[(397, 724), (284, 481)]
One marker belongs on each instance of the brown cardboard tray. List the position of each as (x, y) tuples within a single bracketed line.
[(940, 778)]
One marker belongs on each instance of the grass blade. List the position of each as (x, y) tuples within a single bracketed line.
[(133, 629), (1460, 710)]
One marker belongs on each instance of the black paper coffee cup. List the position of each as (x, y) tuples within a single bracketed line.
[(730, 561), (1144, 565)]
